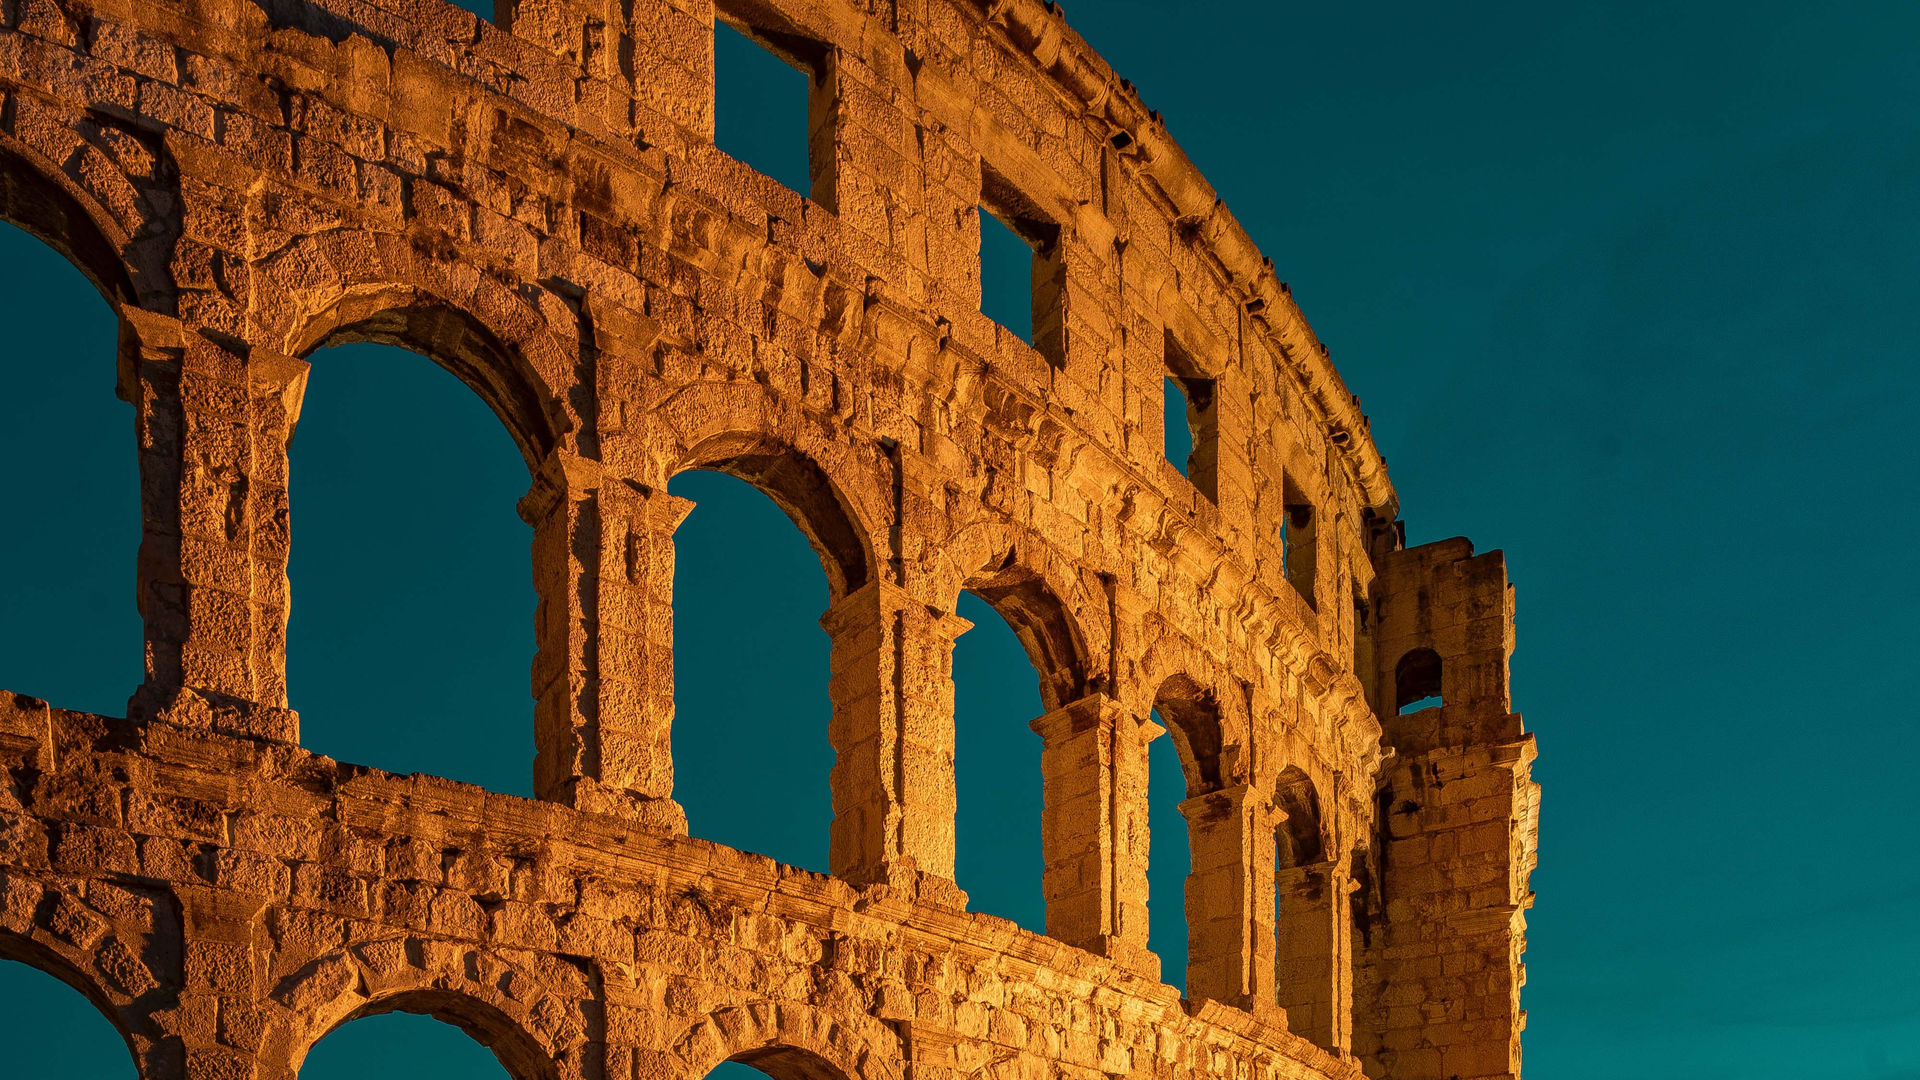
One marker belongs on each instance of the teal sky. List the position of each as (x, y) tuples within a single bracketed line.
[(1627, 290)]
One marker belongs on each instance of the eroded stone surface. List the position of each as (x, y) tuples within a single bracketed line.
[(539, 208)]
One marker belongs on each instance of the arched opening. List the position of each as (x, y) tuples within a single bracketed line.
[(998, 780), (1049, 640), (44, 206), (51, 1031), (413, 321), (1416, 682), (750, 704), (750, 667), (1192, 717), (1310, 920), (1191, 839), (1170, 857), (72, 631), (427, 1035), (411, 595), (1021, 821), (777, 1062)]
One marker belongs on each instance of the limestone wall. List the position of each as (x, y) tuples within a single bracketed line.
[(539, 208)]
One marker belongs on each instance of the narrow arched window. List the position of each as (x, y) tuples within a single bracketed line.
[(771, 721), (998, 788), (1193, 846), (776, 1062), (1416, 682), (1019, 761), (1169, 856)]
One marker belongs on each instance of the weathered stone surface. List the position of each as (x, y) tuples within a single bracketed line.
[(539, 208)]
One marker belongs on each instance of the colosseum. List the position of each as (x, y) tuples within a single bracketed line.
[(537, 205)]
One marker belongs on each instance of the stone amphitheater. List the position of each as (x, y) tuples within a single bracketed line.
[(537, 205)]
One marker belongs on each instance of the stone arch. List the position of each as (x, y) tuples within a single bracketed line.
[(48, 206), (1305, 833), (740, 431), (1049, 610), (82, 182), (1194, 719), (532, 1035), (518, 1052), (1417, 676), (790, 1041), (1312, 920), (70, 966), (496, 364)]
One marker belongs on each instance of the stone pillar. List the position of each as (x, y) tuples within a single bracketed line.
[(1313, 969), (892, 735), (603, 673), (1229, 898), (213, 421), (1093, 759)]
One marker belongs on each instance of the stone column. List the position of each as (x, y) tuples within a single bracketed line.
[(603, 673), (213, 421), (1229, 902), (1093, 759), (1313, 969), (892, 735)]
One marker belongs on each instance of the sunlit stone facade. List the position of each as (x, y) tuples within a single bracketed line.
[(538, 206)]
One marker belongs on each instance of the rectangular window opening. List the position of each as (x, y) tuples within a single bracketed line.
[(1022, 274), (765, 108), (1192, 421), (1299, 547), (1006, 276)]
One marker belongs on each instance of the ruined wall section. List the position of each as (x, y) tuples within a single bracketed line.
[(539, 208), (1439, 966)]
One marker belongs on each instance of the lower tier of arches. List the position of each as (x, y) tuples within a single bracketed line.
[(227, 904)]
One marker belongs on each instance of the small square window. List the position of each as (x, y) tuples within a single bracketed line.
[(1179, 436)]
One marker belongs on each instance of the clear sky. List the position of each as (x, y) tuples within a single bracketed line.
[(1627, 290)]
